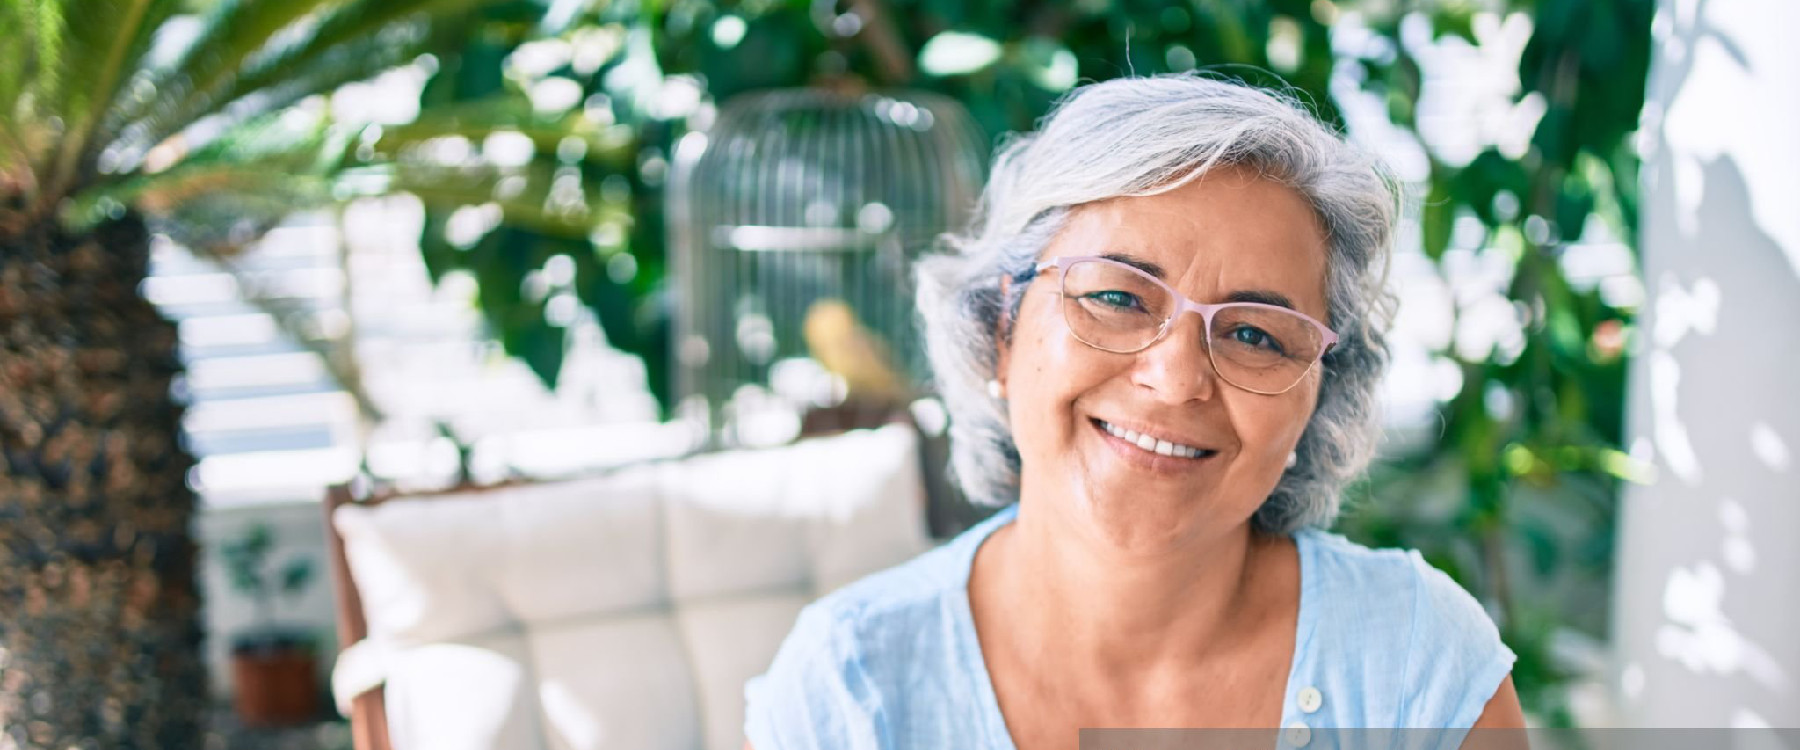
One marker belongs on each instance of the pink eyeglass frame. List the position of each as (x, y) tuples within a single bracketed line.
[(1183, 305)]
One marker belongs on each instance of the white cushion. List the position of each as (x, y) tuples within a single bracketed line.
[(474, 694), (730, 529), (624, 611), (423, 568), (846, 490), (581, 548), (616, 683), (731, 640)]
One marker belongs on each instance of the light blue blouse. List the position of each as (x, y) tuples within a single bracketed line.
[(1384, 640)]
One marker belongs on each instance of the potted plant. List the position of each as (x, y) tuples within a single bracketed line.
[(273, 666)]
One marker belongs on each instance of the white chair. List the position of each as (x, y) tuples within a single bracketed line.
[(624, 611)]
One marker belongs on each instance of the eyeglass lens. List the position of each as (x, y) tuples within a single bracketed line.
[(1116, 308)]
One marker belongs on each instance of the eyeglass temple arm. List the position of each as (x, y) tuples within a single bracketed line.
[(1032, 272)]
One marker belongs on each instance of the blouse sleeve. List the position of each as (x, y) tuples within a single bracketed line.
[(812, 697), (1456, 660)]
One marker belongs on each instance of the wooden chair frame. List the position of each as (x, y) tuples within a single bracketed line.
[(368, 712)]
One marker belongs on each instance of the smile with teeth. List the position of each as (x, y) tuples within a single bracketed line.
[(1153, 445)]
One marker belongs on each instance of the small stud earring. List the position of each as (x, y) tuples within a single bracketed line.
[(1293, 458), (995, 389)]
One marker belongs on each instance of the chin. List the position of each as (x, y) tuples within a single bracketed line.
[(1140, 516), (1138, 512)]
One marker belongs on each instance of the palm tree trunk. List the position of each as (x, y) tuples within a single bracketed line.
[(99, 612)]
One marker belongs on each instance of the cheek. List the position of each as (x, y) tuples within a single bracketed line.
[(1046, 371), (1270, 427)]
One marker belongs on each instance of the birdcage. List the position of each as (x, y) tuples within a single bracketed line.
[(793, 222)]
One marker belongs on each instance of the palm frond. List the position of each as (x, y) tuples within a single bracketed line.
[(361, 61), (476, 120), (342, 43), (349, 24), (531, 205), (16, 52), (43, 22), (273, 156), (30, 76), (103, 47), (231, 34)]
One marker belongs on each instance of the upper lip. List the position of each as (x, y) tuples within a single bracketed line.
[(1144, 428)]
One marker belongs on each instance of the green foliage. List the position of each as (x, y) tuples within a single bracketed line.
[(90, 127), (93, 124), (1537, 481), (627, 53), (248, 564), (1530, 489), (1555, 449)]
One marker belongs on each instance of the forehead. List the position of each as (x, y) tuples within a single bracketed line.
[(1228, 231)]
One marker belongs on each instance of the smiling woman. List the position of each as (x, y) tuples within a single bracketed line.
[(1161, 558)]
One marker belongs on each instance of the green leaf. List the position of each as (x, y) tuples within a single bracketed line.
[(230, 36), (257, 540), (1479, 184), (276, 157), (1438, 216), (445, 190), (1455, 19), (246, 582), (1542, 543), (614, 147), (1231, 38), (30, 77), (296, 576), (348, 63), (1574, 201), (393, 31), (434, 246), (105, 46)]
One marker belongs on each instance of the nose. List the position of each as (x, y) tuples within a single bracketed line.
[(1178, 366)]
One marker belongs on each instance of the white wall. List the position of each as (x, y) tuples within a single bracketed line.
[(1707, 612)]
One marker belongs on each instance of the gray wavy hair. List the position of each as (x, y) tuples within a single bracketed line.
[(1141, 136)]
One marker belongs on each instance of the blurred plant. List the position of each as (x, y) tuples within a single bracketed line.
[(1529, 454), (247, 561), (210, 123), (1530, 444), (540, 153), (644, 73)]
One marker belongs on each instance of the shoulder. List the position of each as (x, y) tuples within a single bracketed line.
[(1430, 644), (1433, 605), (829, 684)]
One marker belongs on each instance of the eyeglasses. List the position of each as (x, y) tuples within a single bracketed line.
[(1116, 308)]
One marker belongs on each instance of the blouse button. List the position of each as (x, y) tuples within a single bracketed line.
[(1298, 734), (1310, 699)]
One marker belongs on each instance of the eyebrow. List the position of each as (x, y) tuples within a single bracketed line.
[(1263, 297), (1260, 296), (1137, 263)]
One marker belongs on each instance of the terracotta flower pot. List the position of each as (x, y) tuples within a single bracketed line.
[(276, 680)]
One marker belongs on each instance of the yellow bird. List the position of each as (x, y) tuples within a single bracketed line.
[(848, 349)]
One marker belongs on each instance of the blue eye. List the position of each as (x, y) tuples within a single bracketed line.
[(1255, 337), (1115, 299)]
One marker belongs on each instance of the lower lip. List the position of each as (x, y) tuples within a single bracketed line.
[(1141, 458)]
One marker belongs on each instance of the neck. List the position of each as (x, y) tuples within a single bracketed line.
[(1126, 609)]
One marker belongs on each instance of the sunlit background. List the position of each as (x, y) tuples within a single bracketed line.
[(535, 241)]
